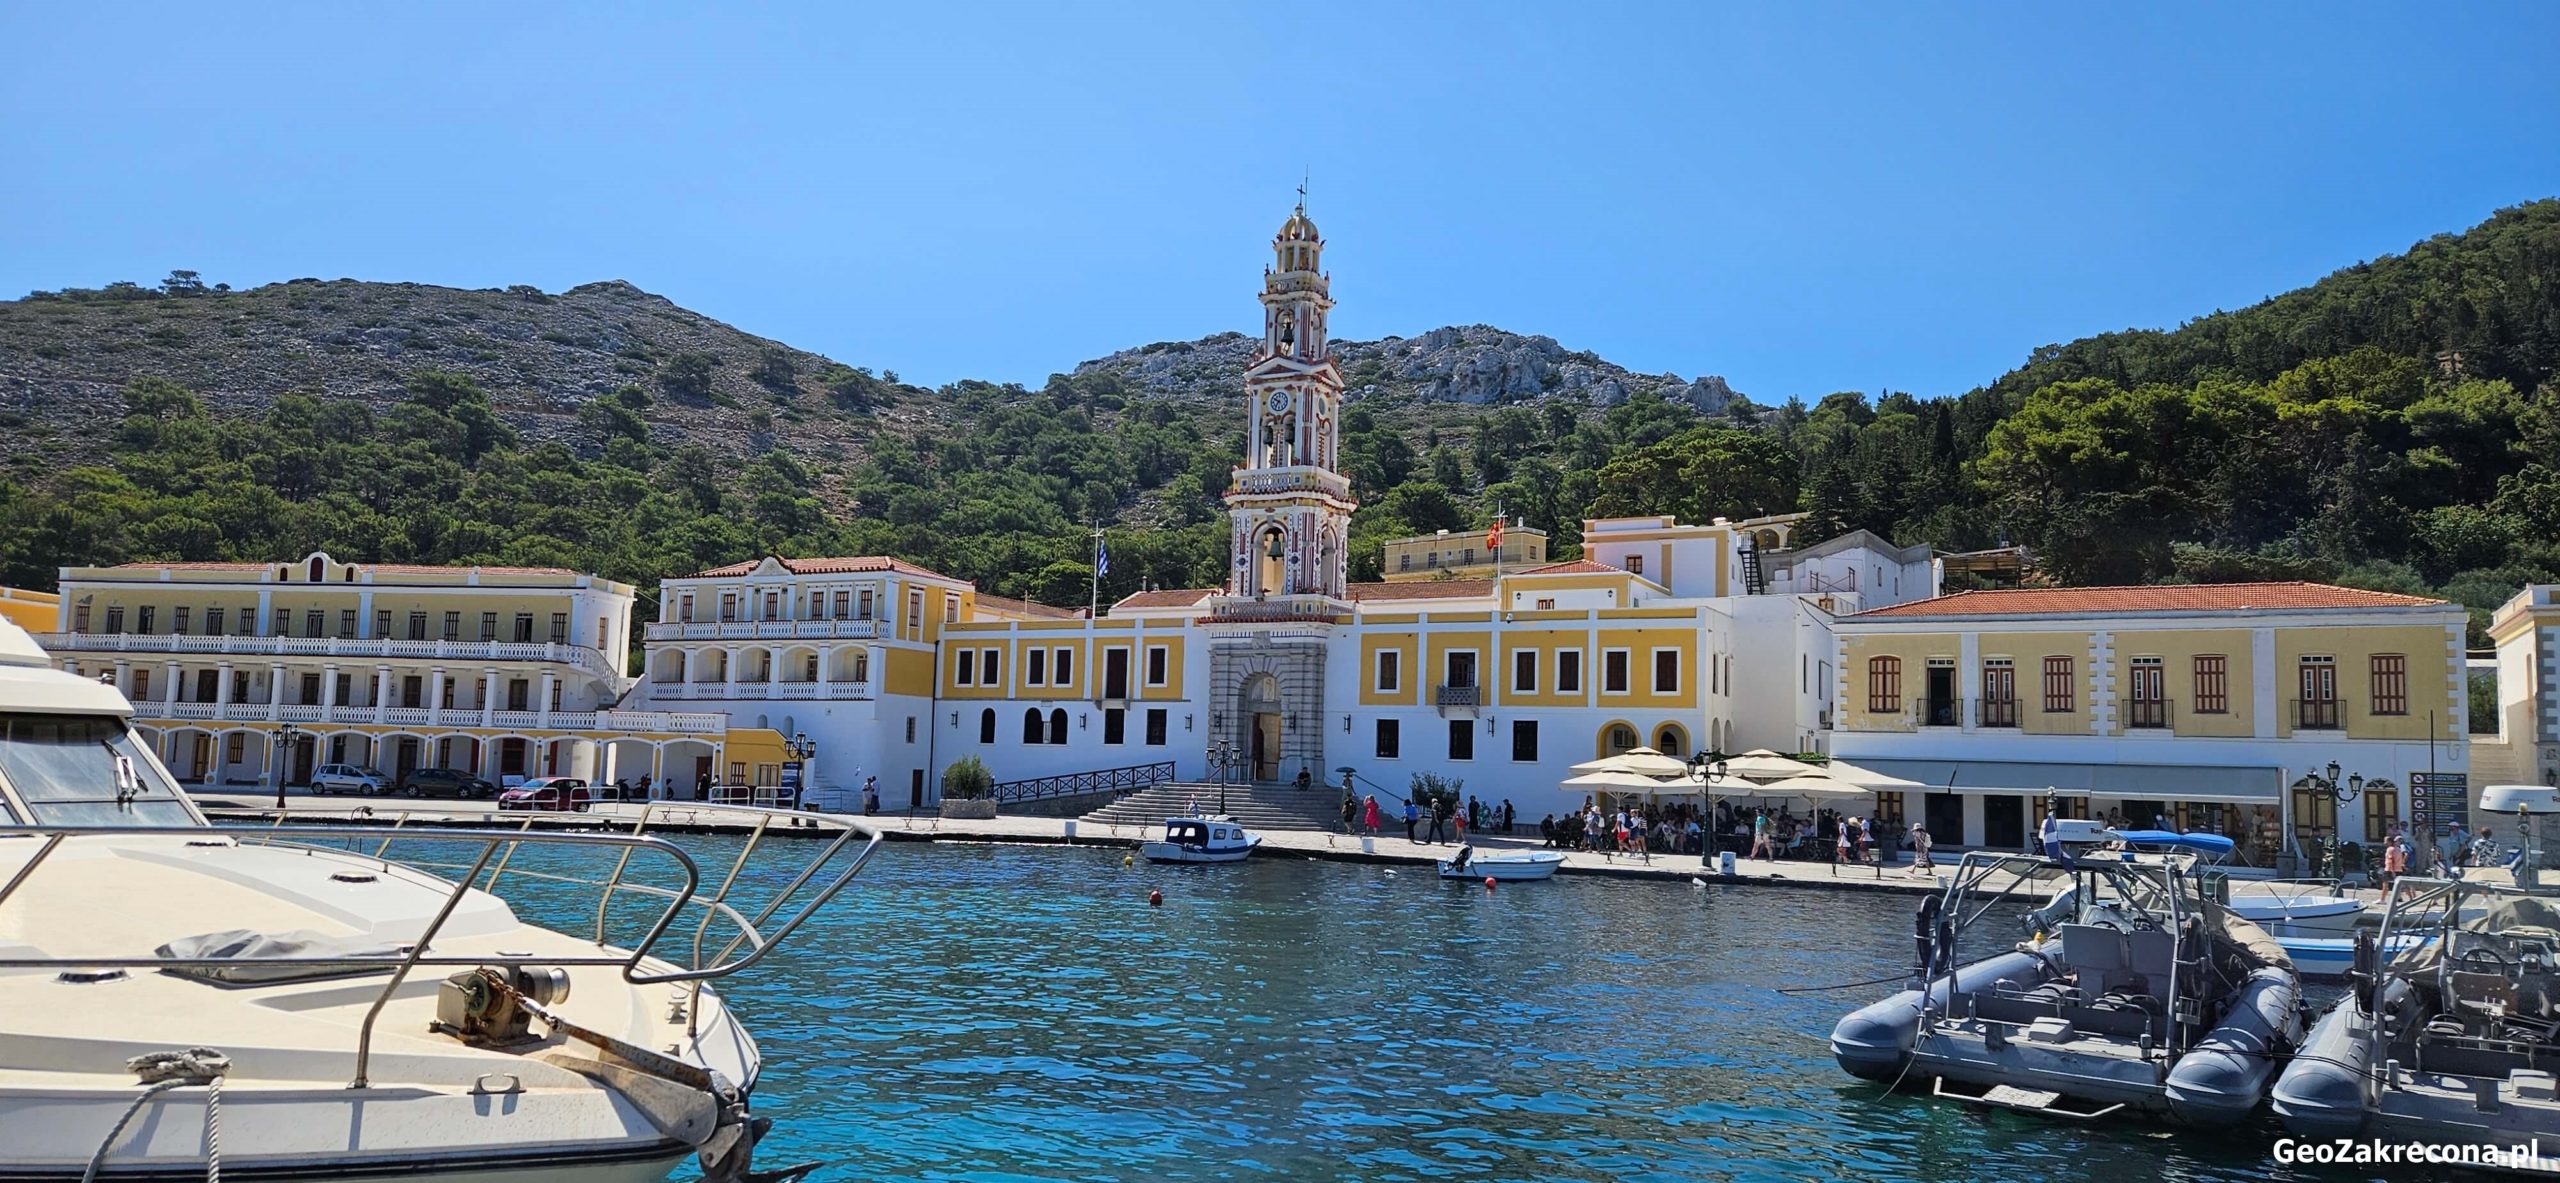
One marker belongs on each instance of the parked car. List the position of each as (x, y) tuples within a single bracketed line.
[(557, 793), (349, 778), (446, 782)]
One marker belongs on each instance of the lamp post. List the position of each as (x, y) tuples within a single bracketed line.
[(802, 749), (1708, 771), (2327, 781), (1223, 753), (285, 737)]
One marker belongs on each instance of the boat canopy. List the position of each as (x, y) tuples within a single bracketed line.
[(2200, 843)]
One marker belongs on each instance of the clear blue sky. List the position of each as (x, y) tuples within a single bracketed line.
[(1803, 198)]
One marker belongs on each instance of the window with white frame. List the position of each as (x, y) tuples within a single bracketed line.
[(1568, 671), (1390, 679), (1666, 671), (1524, 671), (1613, 671)]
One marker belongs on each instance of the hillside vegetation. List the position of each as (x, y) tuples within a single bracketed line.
[(2390, 425)]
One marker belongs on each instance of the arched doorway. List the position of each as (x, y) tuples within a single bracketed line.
[(1258, 704)]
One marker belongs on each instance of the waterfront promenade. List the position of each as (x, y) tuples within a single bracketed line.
[(235, 806), (1384, 849)]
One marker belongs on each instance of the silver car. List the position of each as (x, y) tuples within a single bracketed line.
[(348, 778)]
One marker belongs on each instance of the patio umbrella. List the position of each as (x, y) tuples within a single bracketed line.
[(1643, 761), (1763, 764), (1628, 782), (1813, 787)]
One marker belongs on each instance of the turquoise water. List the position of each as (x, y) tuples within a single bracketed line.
[(1015, 1013)]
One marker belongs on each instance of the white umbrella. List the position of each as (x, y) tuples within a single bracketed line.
[(1643, 761), (1763, 764), (1814, 787), (1627, 782)]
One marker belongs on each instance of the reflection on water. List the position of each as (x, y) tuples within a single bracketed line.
[(1003, 1013)]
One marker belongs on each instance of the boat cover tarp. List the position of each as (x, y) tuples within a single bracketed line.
[(294, 956), (2253, 945), (2199, 842), (2509, 913)]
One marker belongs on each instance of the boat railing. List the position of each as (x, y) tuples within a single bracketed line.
[(747, 932)]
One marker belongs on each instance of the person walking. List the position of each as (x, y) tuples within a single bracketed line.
[(1412, 814), (1439, 822), (1350, 811), (1510, 816), (1764, 841), (1839, 843), (1369, 815), (870, 795), (2395, 861), (1920, 863), (1461, 821)]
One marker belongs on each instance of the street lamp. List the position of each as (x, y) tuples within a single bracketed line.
[(802, 749), (1708, 770), (1224, 754), (285, 737)]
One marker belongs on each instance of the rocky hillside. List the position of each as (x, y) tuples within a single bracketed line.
[(65, 357), (1473, 364)]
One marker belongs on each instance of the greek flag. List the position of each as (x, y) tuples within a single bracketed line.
[(1101, 557)]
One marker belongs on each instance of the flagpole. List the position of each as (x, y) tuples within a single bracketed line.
[(1093, 599)]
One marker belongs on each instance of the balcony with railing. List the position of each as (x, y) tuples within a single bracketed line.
[(1457, 697), (158, 710), (1297, 479), (761, 691), (373, 649), (2146, 714), (1997, 712), (2316, 714), (1939, 712), (860, 629)]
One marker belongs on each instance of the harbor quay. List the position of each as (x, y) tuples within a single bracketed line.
[(1889, 874)]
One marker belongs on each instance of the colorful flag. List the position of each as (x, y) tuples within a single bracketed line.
[(1101, 557), (1493, 535)]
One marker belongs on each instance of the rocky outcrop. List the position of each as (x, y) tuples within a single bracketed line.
[(1474, 364)]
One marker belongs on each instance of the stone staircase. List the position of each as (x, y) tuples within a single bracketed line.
[(1258, 807)]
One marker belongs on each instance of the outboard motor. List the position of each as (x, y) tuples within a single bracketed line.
[(2064, 904)]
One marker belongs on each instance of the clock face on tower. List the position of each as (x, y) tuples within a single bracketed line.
[(1279, 401)]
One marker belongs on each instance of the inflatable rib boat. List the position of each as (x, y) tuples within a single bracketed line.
[(2131, 991)]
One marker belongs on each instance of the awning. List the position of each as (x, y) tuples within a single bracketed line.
[(2251, 785)]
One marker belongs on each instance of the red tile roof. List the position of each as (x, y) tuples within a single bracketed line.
[(1026, 607), (1422, 589), (390, 568), (2182, 597), (1575, 567), (852, 565), (1167, 597)]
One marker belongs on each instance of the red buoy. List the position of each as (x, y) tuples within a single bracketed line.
[(1155, 899), (1488, 883)]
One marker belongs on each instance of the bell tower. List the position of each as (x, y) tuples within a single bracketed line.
[(1289, 505)]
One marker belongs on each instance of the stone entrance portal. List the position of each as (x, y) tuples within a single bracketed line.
[(1275, 702)]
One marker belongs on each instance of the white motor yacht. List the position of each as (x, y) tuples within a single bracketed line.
[(184, 1000)]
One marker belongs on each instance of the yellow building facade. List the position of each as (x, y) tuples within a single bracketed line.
[(2199, 707), (242, 672)]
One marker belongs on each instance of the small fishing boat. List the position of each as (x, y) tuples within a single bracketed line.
[(2132, 991), (2330, 958), (2452, 1041), (1201, 840), (2296, 910), (1509, 866)]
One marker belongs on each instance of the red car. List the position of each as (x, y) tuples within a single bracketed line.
[(556, 793)]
